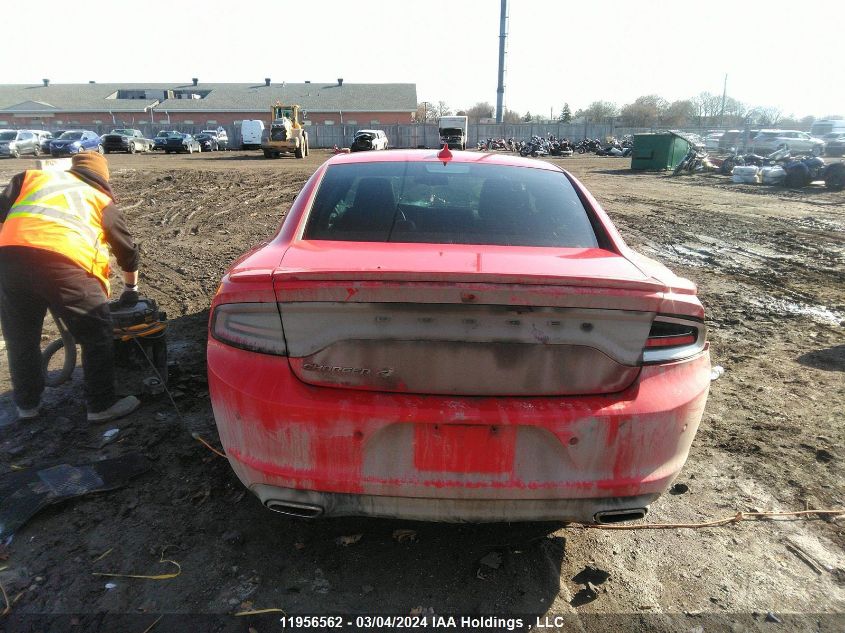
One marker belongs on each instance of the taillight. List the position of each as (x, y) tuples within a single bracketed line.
[(256, 327), (673, 338)]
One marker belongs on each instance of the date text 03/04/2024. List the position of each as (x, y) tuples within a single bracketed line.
[(407, 622)]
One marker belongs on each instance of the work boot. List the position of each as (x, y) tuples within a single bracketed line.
[(28, 414), (119, 409)]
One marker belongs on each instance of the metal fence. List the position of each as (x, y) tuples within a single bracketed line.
[(405, 136)]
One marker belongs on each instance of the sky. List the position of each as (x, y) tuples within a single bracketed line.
[(774, 53)]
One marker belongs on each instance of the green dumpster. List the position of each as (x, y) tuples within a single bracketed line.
[(663, 150)]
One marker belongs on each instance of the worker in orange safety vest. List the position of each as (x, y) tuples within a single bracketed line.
[(56, 228)]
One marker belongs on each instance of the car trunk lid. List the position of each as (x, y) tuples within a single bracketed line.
[(464, 319)]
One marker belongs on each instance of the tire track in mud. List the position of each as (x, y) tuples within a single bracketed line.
[(192, 224), (785, 269)]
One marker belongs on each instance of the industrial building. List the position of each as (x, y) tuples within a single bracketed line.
[(92, 105)]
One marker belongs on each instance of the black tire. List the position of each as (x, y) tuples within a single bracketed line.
[(834, 177), (101, 149), (132, 148), (167, 151), (797, 176), (817, 150), (55, 379), (15, 153), (299, 152), (681, 166), (727, 166), (36, 151), (268, 153)]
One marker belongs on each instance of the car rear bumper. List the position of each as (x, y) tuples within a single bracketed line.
[(313, 504), (453, 458)]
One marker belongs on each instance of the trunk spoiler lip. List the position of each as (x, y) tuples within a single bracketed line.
[(282, 275)]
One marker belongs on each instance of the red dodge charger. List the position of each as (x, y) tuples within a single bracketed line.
[(454, 338)]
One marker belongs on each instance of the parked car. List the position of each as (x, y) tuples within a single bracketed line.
[(181, 143), (767, 141), (458, 338), (711, 141), (737, 139), (16, 143), (208, 142), (823, 127), (365, 140), (221, 136), (75, 141), (126, 140), (160, 139), (46, 140), (834, 144)]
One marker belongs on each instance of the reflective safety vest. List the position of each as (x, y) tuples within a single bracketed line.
[(58, 212)]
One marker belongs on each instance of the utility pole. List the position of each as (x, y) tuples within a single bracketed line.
[(724, 98), (503, 36)]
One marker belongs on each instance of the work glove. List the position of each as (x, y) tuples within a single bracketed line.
[(129, 297)]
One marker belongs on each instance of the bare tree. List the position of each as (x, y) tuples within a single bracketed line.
[(736, 112), (442, 109), (646, 111), (426, 112), (678, 113), (511, 116), (599, 111), (481, 110), (766, 116), (707, 106)]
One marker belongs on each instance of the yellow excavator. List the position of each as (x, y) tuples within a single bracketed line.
[(287, 133)]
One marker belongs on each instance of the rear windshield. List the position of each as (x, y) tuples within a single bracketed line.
[(459, 203)]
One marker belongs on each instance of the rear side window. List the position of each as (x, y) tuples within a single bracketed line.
[(459, 203)]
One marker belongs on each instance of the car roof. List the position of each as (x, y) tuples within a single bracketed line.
[(430, 156)]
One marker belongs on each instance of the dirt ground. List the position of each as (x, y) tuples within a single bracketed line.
[(770, 265)]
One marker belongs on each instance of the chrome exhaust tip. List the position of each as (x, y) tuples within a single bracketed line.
[(619, 516), (294, 509)]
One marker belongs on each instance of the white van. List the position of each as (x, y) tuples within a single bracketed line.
[(251, 132), (824, 127)]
